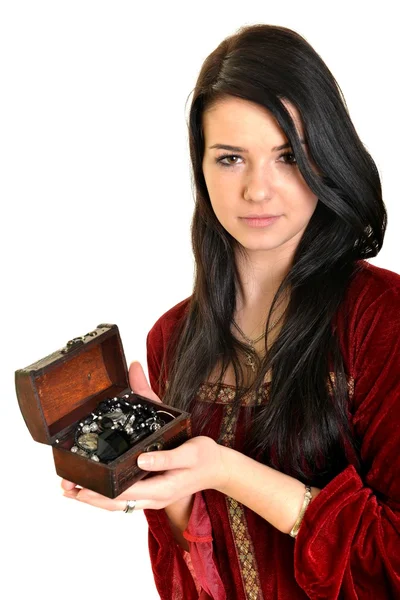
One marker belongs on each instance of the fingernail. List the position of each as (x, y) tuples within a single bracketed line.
[(145, 460)]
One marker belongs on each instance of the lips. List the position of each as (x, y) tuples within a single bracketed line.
[(260, 220), (259, 216)]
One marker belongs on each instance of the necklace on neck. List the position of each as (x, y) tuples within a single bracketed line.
[(250, 355)]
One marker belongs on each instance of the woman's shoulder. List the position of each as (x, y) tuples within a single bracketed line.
[(369, 315), (371, 283), (167, 322)]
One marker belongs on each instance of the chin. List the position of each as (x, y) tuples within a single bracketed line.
[(263, 248), (253, 246)]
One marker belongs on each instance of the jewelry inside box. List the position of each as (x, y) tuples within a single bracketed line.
[(115, 426)]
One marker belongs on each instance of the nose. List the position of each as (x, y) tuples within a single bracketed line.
[(258, 187)]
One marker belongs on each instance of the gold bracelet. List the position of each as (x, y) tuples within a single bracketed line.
[(306, 502)]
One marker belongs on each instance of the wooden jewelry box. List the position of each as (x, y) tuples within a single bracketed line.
[(56, 393)]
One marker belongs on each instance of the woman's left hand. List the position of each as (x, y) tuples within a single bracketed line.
[(195, 465)]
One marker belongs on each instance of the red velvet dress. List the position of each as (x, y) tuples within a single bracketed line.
[(348, 545)]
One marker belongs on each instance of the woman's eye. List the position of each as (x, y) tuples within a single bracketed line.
[(289, 158), (227, 156)]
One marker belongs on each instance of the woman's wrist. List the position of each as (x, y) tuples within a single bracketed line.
[(275, 496)]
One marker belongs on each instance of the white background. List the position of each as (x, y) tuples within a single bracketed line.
[(96, 205)]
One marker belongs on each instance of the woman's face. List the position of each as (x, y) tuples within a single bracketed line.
[(256, 179)]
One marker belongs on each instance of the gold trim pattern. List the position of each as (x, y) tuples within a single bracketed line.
[(237, 518), (226, 395), (244, 550), (228, 427)]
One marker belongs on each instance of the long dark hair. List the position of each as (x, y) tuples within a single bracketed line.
[(303, 429)]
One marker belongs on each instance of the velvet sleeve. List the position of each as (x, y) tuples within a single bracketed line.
[(170, 570), (180, 575), (348, 545)]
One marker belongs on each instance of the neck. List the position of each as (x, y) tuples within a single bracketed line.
[(259, 278)]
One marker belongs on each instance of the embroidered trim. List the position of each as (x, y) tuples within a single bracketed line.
[(228, 427), (207, 393), (244, 550), (237, 519), (226, 395)]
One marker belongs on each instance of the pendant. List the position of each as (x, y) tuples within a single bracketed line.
[(250, 361)]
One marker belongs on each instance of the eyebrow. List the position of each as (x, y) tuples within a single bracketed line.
[(240, 149)]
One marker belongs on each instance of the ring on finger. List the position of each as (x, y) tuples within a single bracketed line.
[(130, 506)]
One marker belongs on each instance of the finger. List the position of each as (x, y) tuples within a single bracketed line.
[(67, 485), (94, 499), (139, 383), (141, 504), (155, 488), (98, 501), (71, 493), (162, 460)]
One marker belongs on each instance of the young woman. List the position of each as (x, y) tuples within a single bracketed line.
[(286, 353)]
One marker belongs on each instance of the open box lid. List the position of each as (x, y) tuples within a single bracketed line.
[(65, 386)]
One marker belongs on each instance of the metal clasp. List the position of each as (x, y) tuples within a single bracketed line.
[(78, 341), (91, 334), (155, 446)]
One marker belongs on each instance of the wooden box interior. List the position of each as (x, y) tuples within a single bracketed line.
[(72, 389)]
